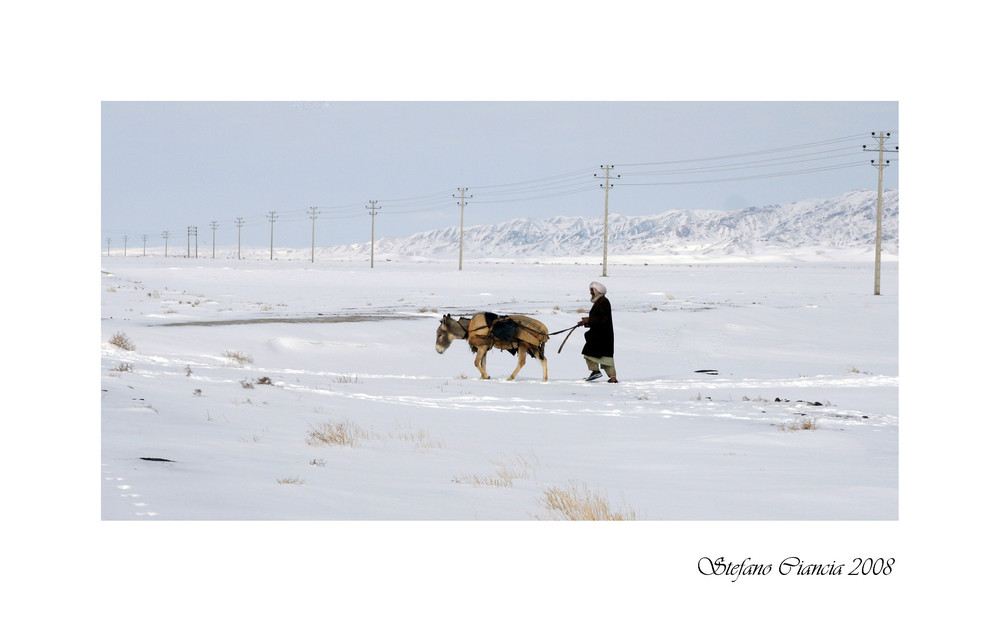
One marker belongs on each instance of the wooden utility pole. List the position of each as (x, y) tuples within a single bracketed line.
[(125, 246), (607, 188), (109, 246), (881, 163), (461, 223), (272, 216), (144, 238), (214, 225), (166, 236), (312, 214), (373, 207), (239, 236)]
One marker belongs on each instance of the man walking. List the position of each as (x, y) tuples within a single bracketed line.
[(599, 350)]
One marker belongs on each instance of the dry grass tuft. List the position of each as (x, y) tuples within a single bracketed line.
[(343, 433), (420, 439), (577, 502), (121, 340), (799, 424), (239, 359), (521, 468), (492, 481)]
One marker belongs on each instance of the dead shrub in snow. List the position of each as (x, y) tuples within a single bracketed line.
[(343, 433), (239, 359), (121, 340), (799, 424), (577, 502)]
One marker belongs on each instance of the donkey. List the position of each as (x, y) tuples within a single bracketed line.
[(515, 333)]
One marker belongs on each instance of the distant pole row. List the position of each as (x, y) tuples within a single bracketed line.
[(271, 216), (372, 208)]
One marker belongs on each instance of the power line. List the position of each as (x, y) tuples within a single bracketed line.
[(542, 179), (846, 151), (853, 137), (747, 177)]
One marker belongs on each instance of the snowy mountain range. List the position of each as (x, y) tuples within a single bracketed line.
[(847, 221)]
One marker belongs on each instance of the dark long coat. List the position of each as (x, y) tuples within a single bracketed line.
[(600, 335)]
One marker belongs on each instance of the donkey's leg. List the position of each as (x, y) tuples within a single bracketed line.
[(481, 361), (544, 361), (522, 351)]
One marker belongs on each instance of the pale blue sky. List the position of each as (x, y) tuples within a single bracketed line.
[(173, 165)]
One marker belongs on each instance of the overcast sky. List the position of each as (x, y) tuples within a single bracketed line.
[(167, 166)]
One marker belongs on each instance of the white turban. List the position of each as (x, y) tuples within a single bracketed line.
[(597, 287)]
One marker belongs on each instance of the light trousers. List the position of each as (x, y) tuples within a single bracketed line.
[(606, 363)]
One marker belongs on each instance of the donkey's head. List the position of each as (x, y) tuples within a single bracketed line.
[(447, 331)]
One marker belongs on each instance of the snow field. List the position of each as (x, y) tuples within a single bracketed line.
[(667, 442)]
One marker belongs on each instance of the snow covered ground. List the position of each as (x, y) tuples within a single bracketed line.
[(237, 365)]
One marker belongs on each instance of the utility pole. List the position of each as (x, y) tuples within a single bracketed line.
[(239, 236), (125, 247), (272, 216), (166, 236), (312, 215), (607, 188), (461, 224), (193, 231), (373, 209), (214, 225), (109, 246), (144, 238), (881, 163)]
